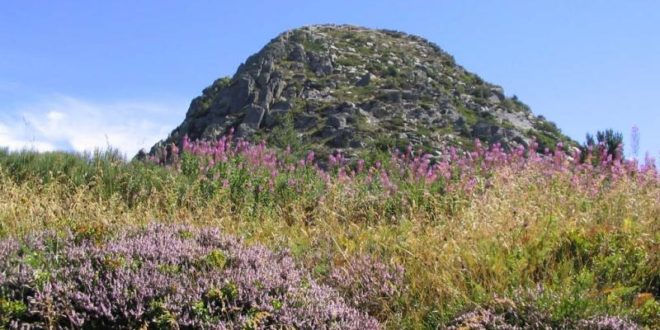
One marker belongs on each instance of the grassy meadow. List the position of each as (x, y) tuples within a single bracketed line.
[(468, 240)]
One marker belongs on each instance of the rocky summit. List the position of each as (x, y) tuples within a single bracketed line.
[(344, 87)]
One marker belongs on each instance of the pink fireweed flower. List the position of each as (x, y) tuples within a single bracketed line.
[(431, 175), (444, 169), (386, 182), (292, 167), (470, 185), (360, 165), (453, 155), (368, 179), (456, 169), (332, 161), (477, 146), (341, 175), (174, 148), (186, 144), (325, 176), (310, 158)]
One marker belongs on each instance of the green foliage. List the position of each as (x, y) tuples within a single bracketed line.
[(648, 312), (11, 310), (383, 144), (481, 92), (60, 166), (515, 105), (285, 135), (190, 166), (313, 45), (609, 139), (216, 259), (162, 319), (169, 269), (229, 291), (392, 71), (204, 102), (548, 135), (470, 116)]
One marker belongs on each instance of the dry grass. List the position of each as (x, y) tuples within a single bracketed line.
[(590, 254)]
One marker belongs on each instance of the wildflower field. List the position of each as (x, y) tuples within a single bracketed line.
[(230, 234)]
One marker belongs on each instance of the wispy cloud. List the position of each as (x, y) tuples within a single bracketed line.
[(66, 123)]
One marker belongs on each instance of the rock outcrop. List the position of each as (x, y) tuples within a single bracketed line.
[(347, 87)]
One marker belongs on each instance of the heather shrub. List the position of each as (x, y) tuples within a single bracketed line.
[(606, 323), (162, 277), (522, 312), (491, 319), (368, 284)]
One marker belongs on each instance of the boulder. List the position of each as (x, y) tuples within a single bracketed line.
[(254, 114), (365, 80), (336, 121), (320, 63), (305, 122), (298, 53), (273, 118)]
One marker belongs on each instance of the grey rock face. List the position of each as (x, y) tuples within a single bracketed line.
[(298, 53), (305, 122), (244, 131), (346, 87), (274, 118), (365, 80), (336, 121), (342, 139), (242, 94), (254, 114), (320, 63)]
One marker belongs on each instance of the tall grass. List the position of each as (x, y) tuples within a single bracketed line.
[(536, 238)]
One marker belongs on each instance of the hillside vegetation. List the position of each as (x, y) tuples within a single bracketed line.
[(233, 234)]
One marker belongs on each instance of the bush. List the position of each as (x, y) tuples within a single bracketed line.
[(490, 319), (368, 284), (285, 135), (607, 143), (162, 277)]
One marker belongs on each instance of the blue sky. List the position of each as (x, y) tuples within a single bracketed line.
[(75, 75)]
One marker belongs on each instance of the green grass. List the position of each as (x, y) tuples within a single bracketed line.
[(471, 118)]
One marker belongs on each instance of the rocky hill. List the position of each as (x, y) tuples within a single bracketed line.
[(346, 87)]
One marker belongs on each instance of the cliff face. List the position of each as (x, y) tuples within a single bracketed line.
[(347, 87)]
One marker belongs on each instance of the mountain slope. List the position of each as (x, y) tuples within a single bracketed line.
[(346, 87)]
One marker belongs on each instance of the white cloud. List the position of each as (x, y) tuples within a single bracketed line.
[(68, 123), (14, 142)]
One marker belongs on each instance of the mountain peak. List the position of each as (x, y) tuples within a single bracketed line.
[(350, 87)]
